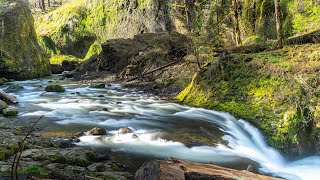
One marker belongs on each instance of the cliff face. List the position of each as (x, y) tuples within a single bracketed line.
[(21, 55), (73, 27)]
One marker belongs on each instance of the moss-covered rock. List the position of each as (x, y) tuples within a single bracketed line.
[(278, 91), (3, 105), (9, 112), (21, 56), (54, 88), (100, 85), (75, 26)]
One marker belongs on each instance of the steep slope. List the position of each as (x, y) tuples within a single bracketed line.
[(21, 56), (278, 91)]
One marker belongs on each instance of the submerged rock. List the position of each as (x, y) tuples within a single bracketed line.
[(13, 88), (54, 88), (98, 131), (56, 69), (9, 112), (100, 85)]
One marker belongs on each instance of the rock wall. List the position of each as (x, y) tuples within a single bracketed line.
[(21, 56), (73, 27)]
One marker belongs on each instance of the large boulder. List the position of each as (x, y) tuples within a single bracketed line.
[(69, 65), (56, 69), (21, 56), (13, 88), (98, 131), (9, 112), (54, 88)]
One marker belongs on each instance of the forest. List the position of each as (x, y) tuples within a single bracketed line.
[(159, 89)]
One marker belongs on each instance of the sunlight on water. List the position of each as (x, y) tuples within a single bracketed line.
[(151, 120)]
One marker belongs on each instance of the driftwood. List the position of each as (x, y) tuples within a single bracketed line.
[(185, 170), (155, 70), (7, 97)]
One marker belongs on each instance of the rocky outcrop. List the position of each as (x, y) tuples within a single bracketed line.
[(21, 56), (82, 22), (185, 170)]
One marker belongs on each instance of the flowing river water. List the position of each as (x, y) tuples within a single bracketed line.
[(164, 129)]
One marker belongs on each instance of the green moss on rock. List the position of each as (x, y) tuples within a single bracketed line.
[(9, 112), (283, 102), (21, 56), (54, 88)]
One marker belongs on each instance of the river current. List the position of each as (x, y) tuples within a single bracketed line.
[(162, 129)]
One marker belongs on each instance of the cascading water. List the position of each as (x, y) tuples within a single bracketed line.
[(154, 122)]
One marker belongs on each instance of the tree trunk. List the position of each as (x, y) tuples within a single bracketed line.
[(236, 23), (278, 22), (49, 4), (43, 5)]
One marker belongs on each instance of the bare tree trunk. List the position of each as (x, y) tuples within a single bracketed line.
[(278, 22), (236, 23), (49, 4), (43, 5)]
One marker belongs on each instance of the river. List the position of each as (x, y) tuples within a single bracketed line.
[(163, 128)]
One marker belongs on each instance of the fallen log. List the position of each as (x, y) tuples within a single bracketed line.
[(175, 169), (8, 98)]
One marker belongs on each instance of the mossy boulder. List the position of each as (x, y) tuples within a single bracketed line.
[(9, 112), (3, 80), (13, 88), (54, 88), (3, 105), (99, 86), (21, 56)]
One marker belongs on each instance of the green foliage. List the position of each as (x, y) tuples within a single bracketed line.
[(58, 59), (35, 170), (272, 91), (95, 48)]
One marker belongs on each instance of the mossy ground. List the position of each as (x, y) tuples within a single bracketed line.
[(278, 91)]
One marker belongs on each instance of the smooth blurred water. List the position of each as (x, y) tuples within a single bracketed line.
[(164, 129)]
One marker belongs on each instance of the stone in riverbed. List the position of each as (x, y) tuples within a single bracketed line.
[(124, 130), (100, 85), (98, 131), (9, 112), (3, 105), (69, 65), (54, 88), (13, 88)]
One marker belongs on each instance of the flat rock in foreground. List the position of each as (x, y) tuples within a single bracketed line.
[(174, 169)]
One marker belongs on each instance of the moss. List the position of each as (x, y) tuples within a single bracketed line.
[(272, 91), (21, 56), (9, 112), (35, 170), (55, 88), (95, 48), (58, 59)]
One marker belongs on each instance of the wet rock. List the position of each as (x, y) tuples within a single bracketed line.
[(3, 80), (78, 93), (98, 131), (69, 74), (69, 65), (56, 69), (100, 85), (78, 134), (103, 109), (125, 130), (101, 95), (13, 88), (3, 105), (9, 112), (65, 144), (135, 136), (54, 88)]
